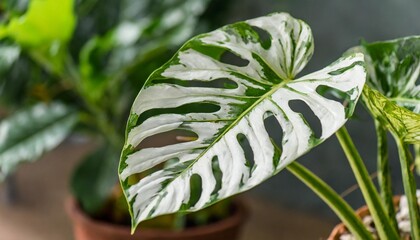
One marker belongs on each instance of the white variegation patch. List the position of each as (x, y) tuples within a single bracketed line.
[(264, 88)]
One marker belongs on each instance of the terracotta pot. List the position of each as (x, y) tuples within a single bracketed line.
[(361, 213), (86, 228)]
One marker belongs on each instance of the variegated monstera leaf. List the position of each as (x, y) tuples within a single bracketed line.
[(186, 94), (393, 77), (29, 133)]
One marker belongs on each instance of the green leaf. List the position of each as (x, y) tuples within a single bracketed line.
[(26, 135), (44, 29), (202, 92), (46, 21), (94, 80), (94, 179), (399, 120)]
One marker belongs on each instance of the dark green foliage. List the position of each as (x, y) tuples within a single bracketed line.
[(94, 178)]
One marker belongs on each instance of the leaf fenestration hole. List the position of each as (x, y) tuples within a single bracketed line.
[(229, 57), (246, 147), (224, 83), (166, 139), (198, 107), (332, 94), (275, 132), (265, 37), (195, 189), (217, 173), (310, 118)]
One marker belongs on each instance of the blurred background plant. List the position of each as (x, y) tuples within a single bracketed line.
[(69, 66), (24, 81)]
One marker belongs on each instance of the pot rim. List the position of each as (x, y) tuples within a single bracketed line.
[(238, 217), (361, 212)]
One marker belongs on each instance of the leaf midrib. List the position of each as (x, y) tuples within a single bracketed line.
[(233, 124), (263, 97), (34, 135), (239, 118)]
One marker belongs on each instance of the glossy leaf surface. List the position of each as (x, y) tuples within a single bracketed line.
[(220, 87)]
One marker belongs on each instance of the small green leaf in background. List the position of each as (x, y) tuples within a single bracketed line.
[(44, 29), (46, 21), (26, 135), (94, 179)]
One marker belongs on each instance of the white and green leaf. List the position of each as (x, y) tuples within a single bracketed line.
[(184, 94), (152, 24), (26, 135), (146, 29), (393, 98), (394, 94), (394, 68)]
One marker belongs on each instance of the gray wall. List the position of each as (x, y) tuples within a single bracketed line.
[(337, 26)]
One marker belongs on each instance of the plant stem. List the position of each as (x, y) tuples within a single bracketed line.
[(104, 124), (179, 221), (71, 76), (384, 175), (332, 199), (376, 208), (409, 187), (417, 157)]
